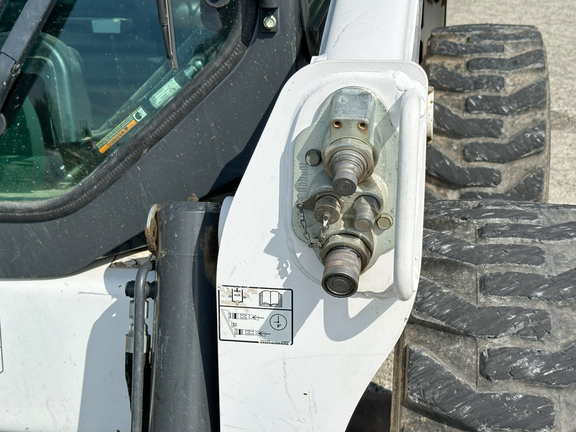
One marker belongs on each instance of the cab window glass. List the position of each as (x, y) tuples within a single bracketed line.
[(96, 74)]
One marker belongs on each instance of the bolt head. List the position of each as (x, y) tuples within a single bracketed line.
[(313, 157), (385, 222), (269, 22)]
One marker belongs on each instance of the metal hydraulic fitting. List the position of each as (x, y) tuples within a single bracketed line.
[(344, 257), (366, 208), (327, 205), (348, 153), (345, 178)]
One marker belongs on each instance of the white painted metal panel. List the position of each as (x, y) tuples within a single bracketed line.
[(314, 383), (63, 352), (372, 30)]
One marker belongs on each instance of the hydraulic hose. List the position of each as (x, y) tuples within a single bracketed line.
[(141, 291)]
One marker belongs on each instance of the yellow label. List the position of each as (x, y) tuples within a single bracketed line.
[(119, 131), (119, 134)]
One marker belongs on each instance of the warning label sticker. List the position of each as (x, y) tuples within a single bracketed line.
[(122, 129), (259, 315)]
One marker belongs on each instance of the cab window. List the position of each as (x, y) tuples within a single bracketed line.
[(96, 75)]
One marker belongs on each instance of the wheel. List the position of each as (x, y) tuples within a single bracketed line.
[(491, 343), (492, 113)]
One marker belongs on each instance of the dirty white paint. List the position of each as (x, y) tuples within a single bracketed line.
[(315, 383)]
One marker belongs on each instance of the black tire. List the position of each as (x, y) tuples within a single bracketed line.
[(491, 344), (492, 113)]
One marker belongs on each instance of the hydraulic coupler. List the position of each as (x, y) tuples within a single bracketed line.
[(345, 175)]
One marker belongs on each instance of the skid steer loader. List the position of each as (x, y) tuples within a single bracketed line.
[(212, 211)]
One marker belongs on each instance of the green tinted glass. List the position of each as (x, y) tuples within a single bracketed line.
[(97, 73)]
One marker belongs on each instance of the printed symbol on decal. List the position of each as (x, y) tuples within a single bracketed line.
[(237, 295), (278, 322), (270, 298), (250, 332), (245, 332), (243, 316)]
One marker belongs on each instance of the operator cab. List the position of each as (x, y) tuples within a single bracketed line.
[(96, 74), (100, 126)]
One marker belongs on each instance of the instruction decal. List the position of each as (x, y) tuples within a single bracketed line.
[(258, 315), (122, 129)]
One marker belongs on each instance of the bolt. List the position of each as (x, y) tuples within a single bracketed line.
[(313, 157), (385, 222), (269, 22), (16, 69)]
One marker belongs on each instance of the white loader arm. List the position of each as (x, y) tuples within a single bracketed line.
[(320, 250)]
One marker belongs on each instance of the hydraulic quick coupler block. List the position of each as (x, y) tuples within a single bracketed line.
[(345, 176), (348, 149)]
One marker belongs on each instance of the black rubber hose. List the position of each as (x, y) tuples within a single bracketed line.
[(141, 292)]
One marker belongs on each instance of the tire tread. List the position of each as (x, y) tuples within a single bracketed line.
[(492, 118), (490, 344)]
